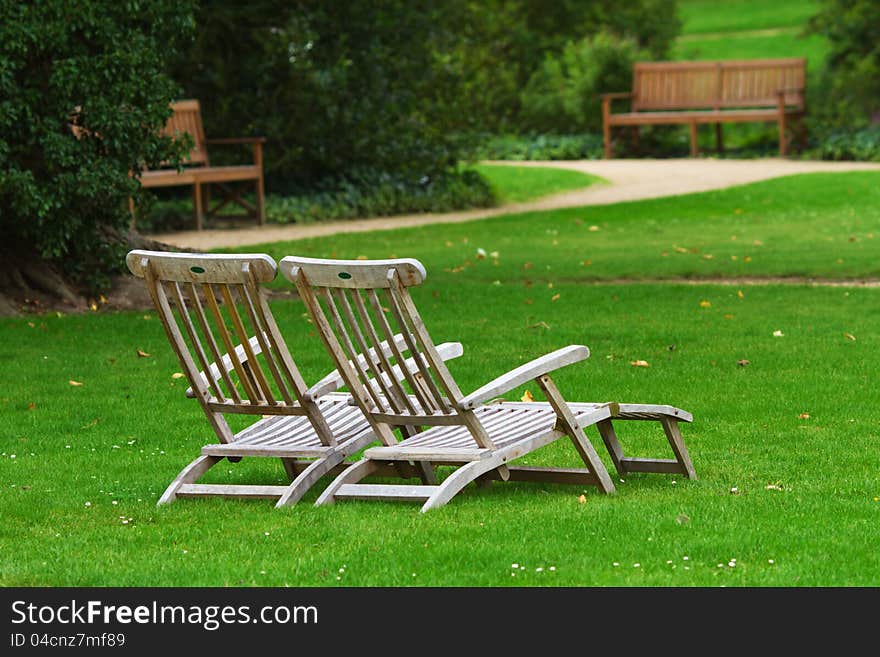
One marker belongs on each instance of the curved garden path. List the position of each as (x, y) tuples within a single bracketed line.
[(627, 180)]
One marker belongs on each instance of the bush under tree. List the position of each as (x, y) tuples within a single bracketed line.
[(83, 92)]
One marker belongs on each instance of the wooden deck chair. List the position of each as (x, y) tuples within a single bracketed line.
[(207, 304), (355, 304)]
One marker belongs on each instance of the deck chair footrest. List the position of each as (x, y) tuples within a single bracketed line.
[(385, 492), (668, 466), (224, 490)]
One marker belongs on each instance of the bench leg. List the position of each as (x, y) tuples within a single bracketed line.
[(783, 150), (694, 149), (606, 134), (197, 204)]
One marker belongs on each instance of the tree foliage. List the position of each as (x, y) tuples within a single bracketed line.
[(851, 81), (83, 91)]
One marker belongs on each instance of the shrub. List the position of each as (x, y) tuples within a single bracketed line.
[(587, 146), (82, 94), (563, 94), (848, 144), (851, 79)]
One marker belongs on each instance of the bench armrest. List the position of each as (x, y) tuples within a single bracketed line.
[(531, 370), (237, 140), (334, 381), (227, 363)]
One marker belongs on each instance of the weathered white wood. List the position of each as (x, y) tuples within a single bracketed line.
[(280, 451), (359, 470), (217, 268), (668, 466), (359, 274), (524, 374), (612, 444), (455, 482), (405, 453), (188, 475), (673, 434), (578, 476), (407, 419), (402, 492), (574, 428), (308, 477), (214, 370), (224, 490)]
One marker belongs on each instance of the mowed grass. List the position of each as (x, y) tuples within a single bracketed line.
[(785, 446), (516, 184), (711, 16)]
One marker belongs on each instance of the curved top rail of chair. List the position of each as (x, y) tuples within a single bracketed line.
[(356, 274), (202, 268)]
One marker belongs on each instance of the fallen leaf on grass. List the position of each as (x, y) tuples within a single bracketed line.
[(682, 519), (849, 336), (775, 486), (543, 325), (177, 375), (705, 304), (778, 334), (735, 491), (582, 499), (804, 416), (75, 383), (593, 229), (743, 362), (555, 297), (740, 294), (481, 254), (142, 354), (527, 396), (639, 363)]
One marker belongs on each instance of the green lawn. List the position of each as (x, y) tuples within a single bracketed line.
[(781, 499), (516, 184), (711, 16)]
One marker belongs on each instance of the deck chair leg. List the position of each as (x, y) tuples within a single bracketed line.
[(290, 468), (307, 478), (568, 424), (673, 435), (188, 475), (609, 437), (454, 483), (356, 472)]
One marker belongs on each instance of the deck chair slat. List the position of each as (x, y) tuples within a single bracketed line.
[(436, 398), (402, 301), (279, 348), (199, 312), (258, 321), (346, 343), (186, 320), (401, 399), (243, 376), (263, 394), (419, 391), (373, 363)]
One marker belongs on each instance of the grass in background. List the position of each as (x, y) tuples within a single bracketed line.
[(785, 446), (513, 184), (711, 16), (825, 225)]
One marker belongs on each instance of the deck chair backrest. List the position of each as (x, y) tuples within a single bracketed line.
[(211, 305), (358, 304), (187, 119)]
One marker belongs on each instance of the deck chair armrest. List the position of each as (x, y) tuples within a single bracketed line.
[(334, 381), (227, 363), (524, 373)]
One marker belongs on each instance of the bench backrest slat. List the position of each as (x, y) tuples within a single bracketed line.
[(187, 119), (717, 84)]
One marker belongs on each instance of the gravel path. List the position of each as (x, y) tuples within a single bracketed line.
[(628, 180)]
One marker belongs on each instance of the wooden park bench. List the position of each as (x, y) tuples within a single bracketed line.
[(199, 172), (711, 92)]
